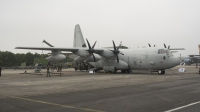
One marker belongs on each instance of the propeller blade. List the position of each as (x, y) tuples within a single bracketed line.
[(94, 44), (94, 57), (149, 45), (114, 45), (121, 53), (117, 59), (88, 44), (168, 46), (165, 46)]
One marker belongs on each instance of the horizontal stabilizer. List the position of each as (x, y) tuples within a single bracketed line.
[(47, 43)]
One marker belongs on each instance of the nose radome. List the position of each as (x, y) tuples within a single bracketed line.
[(174, 62), (177, 61)]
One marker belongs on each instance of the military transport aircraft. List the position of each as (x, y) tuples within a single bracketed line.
[(152, 58), (192, 59)]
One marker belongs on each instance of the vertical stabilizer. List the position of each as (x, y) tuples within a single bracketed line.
[(199, 49), (78, 37)]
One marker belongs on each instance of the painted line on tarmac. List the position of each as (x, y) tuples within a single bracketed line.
[(178, 108), (56, 104)]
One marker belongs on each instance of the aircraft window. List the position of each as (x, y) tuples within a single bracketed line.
[(161, 51)]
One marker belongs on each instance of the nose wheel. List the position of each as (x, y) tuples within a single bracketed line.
[(161, 72)]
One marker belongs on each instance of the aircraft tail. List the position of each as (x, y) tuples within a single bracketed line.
[(199, 49), (78, 37)]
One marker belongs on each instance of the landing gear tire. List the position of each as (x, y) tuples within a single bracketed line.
[(128, 71), (161, 72), (115, 71), (75, 68), (123, 71)]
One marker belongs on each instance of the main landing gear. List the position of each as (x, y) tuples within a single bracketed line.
[(126, 71), (161, 72)]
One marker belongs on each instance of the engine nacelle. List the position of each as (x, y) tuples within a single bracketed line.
[(87, 59), (107, 53), (56, 58), (188, 61), (81, 52)]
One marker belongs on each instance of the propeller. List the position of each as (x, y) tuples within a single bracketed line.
[(91, 49), (116, 51), (150, 45), (166, 46), (173, 48)]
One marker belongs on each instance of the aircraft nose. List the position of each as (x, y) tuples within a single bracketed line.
[(177, 61), (174, 62)]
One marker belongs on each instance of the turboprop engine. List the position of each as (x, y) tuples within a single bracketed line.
[(187, 61), (81, 52), (107, 53), (56, 58), (87, 59)]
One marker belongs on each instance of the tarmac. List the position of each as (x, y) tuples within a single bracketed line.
[(81, 91)]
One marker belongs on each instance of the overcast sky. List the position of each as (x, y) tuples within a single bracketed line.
[(134, 22)]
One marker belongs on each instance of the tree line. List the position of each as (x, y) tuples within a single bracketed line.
[(8, 59)]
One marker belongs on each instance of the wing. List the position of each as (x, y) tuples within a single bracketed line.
[(176, 49), (193, 55), (49, 48), (173, 51), (57, 48)]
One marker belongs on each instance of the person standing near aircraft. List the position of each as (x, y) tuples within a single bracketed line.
[(48, 73), (0, 70), (199, 70)]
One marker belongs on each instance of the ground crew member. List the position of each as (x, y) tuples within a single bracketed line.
[(0, 70), (199, 70), (48, 73)]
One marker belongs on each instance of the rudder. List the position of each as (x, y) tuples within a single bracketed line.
[(78, 37)]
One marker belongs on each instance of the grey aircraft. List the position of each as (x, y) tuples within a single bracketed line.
[(192, 59), (111, 60)]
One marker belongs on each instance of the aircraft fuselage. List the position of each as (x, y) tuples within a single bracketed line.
[(141, 58)]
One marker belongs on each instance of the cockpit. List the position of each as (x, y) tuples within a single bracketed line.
[(163, 51)]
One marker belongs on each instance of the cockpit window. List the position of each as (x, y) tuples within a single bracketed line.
[(161, 51), (167, 51)]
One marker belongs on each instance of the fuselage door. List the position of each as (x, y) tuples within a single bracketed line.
[(162, 59)]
